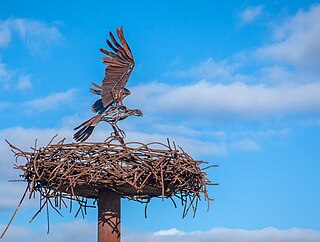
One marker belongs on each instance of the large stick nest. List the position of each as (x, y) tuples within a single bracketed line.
[(135, 170)]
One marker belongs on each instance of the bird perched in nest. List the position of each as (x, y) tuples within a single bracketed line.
[(109, 107)]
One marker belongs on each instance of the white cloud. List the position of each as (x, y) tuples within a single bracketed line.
[(268, 133), (227, 235), (309, 122), (193, 146), (245, 145), (13, 192), (77, 230), (296, 40), (51, 101), (36, 35), (5, 36), (177, 129), (206, 101), (216, 143), (5, 76), (250, 14), (210, 69), (279, 74), (24, 82), (81, 231), (4, 105), (4, 73), (23, 138), (168, 232)]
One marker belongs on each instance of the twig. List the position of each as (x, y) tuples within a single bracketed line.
[(15, 212)]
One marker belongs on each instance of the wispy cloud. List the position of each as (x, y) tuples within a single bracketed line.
[(11, 80), (14, 191), (77, 230), (5, 75), (85, 231), (224, 234), (264, 134), (22, 138), (208, 69), (5, 36), (227, 89), (177, 129), (168, 232), (4, 105), (194, 146), (52, 101), (245, 145), (36, 35), (211, 101), (250, 14), (24, 82), (296, 40)]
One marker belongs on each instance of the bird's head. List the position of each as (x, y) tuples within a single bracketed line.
[(136, 112)]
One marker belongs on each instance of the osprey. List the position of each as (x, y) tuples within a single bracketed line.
[(109, 107)]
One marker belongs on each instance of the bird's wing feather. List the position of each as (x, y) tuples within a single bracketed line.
[(119, 64), (124, 43)]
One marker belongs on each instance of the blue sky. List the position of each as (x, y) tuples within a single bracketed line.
[(234, 83)]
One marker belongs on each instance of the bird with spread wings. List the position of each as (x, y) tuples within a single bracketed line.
[(109, 107)]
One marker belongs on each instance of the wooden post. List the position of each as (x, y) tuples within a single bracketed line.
[(108, 216)]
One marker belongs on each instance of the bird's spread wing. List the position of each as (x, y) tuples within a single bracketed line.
[(120, 64)]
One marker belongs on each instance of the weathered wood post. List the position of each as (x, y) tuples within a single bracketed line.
[(109, 216)]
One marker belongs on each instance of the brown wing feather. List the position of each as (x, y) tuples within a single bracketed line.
[(124, 42), (120, 64), (121, 51), (113, 55)]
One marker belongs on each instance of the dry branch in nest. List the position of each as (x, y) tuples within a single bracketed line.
[(137, 171)]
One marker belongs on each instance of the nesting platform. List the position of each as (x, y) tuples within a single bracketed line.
[(134, 170)]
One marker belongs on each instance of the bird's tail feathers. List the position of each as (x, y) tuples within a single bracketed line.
[(86, 128)]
